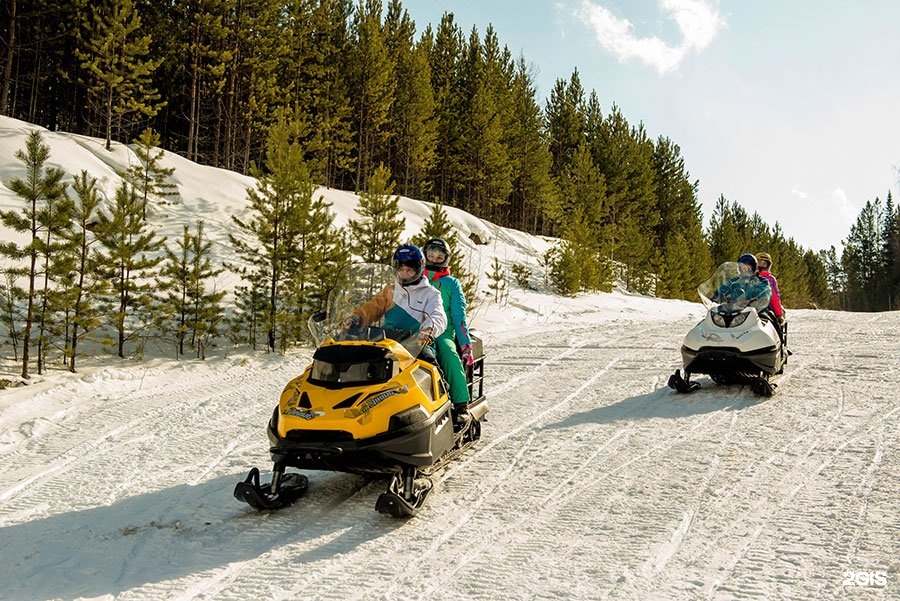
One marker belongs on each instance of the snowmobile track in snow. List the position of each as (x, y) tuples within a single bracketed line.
[(591, 481)]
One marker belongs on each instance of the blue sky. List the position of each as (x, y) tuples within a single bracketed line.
[(789, 107)]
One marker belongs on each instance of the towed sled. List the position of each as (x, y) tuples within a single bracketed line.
[(368, 404), (736, 343)]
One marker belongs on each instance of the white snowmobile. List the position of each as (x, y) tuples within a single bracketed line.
[(739, 340)]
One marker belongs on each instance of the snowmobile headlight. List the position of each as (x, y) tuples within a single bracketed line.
[(739, 319), (719, 320), (406, 418)]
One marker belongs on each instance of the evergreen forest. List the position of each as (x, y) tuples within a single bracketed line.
[(353, 96)]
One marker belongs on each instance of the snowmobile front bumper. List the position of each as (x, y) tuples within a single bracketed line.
[(730, 361), (413, 439)]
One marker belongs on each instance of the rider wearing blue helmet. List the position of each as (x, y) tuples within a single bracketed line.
[(746, 288), (411, 303)]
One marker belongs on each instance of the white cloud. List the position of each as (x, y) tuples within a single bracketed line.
[(844, 206), (799, 192), (698, 21)]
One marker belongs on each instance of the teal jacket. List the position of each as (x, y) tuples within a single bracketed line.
[(454, 302)]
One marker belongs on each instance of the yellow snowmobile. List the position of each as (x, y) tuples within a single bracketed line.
[(368, 404)]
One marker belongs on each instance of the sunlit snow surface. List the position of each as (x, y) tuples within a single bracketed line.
[(593, 480)]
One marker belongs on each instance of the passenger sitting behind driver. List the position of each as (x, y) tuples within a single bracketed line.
[(746, 288), (410, 303)]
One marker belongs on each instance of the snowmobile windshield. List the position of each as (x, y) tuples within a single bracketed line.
[(731, 291), (355, 285), (335, 366)]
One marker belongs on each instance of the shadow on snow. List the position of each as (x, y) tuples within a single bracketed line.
[(179, 532), (664, 403)]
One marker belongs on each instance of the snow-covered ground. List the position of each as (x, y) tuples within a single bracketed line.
[(592, 480)]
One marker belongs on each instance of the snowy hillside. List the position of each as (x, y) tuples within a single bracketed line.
[(215, 195), (592, 480)]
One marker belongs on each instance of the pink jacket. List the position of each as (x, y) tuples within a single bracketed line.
[(775, 303)]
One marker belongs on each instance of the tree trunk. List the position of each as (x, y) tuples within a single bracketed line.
[(109, 116), (193, 117), (29, 317), (81, 269), (7, 68), (43, 319), (123, 304), (36, 76)]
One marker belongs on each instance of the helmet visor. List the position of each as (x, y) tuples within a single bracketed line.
[(408, 272), (435, 255)]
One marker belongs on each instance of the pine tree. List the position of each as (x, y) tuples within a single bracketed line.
[(189, 302), (577, 263), (889, 290), (818, 280), (411, 122), (445, 58), (583, 210), (532, 187), (116, 68), (284, 218), (10, 46), (497, 282), (129, 258), (41, 186), (625, 157), (87, 284), (40, 53), (565, 121), (204, 57), (174, 284), (487, 172), (315, 80), (836, 278), (250, 312), (373, 82), (862, 258), (684, 259), (312, 262), (265, 94), (10, 295), (204, 300), (376, 235), (148, 177), (56, 256), (728, 231)]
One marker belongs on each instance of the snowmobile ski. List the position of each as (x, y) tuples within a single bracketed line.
[(288, 489), (405, 495), (682, 385), (762, 387)]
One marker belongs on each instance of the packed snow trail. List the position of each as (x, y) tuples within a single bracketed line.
[(592, 481)]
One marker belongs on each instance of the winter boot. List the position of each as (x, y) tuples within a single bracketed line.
[(460, 414)]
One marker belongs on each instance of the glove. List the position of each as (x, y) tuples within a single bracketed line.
[(425, 337), (353, 322), (465, 353)]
